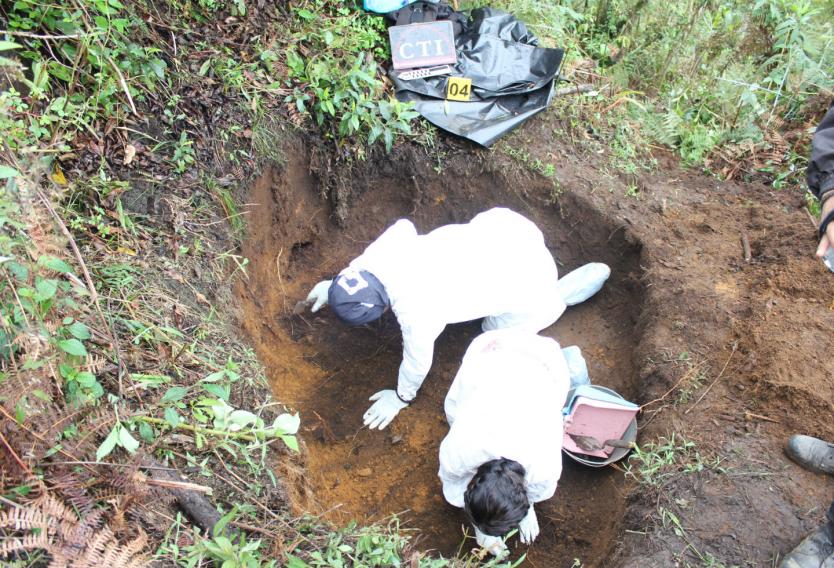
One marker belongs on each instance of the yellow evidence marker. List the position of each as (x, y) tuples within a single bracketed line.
[(459, 89)]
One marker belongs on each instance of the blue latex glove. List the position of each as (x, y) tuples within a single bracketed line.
[(384, 410)]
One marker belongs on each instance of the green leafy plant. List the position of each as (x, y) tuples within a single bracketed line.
[(339, 86), (225, 549), (382, 546), (119, 436), (184, 155), (352, 97), (91, 48)]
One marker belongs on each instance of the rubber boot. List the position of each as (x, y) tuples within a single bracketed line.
[(811, 453), (817, 550)]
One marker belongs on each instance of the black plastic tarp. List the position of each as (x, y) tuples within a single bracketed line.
[(512, 79)]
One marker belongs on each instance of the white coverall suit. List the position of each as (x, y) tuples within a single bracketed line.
[(506, 402), (496, 266)]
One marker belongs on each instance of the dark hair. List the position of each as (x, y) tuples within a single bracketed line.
[(496, 498)]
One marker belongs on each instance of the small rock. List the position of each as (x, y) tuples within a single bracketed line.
[(365, 472)]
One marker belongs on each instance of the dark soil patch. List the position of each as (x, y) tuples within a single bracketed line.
[(679, 285)]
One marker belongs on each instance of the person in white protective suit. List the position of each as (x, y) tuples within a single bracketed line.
[(503, 452), (495, 267)]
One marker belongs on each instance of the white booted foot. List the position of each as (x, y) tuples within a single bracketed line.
[(578, 285)]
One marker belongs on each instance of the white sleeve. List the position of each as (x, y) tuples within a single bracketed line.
[(418, 351), (453, 474), (541, 489), (389, 244)]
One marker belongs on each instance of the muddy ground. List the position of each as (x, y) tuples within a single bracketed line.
[(683, 295)]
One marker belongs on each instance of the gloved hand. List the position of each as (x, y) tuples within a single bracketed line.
[(492, 544), (529, 527), (318, 295), (383, 411)]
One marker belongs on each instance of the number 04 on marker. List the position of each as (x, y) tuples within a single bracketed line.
[(459, 89)]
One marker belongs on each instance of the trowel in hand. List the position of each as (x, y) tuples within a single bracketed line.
[(591, 444), (301, 307)]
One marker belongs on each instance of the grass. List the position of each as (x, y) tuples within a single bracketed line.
[(717, 82), (655, 464), (672, 522), (534, 165)]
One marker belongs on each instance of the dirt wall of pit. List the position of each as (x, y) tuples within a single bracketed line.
[(683, 294), (328, 371)]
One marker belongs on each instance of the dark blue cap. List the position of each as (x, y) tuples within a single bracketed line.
[(357, 297)]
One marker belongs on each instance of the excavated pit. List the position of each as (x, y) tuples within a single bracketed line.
[(327, 371)]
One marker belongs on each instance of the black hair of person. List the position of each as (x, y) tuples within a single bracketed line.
[(496, 498)]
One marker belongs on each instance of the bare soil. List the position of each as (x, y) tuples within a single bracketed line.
[(681, 293)]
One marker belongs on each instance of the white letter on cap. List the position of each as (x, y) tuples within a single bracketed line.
[(351, 274)]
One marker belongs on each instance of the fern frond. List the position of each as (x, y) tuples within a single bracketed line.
[(55, 508), (74, 490), (127, 556), (95, 364), (23, 518), (96, 546), (31, 541)]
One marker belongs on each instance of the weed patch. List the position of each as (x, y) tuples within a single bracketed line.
[(726, 85), (335, 79), (655, 464)]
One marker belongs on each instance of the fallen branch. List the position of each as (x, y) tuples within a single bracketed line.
[(14, 455), (199, 429), (748, 415), (575, 90), (179, 485), (668, 392), (123, 83), (41, 36), (199, 509), (811, 217), (107, 464)]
